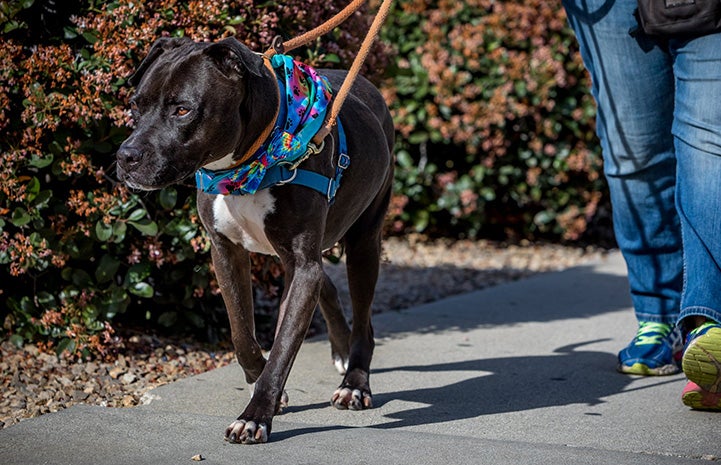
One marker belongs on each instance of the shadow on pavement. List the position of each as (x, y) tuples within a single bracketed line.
[(513, 384), (510, 384), (574, 293)]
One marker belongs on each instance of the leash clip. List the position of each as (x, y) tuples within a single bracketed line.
[(311, 150), (314, 149)]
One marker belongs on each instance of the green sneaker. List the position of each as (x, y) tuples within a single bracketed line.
[(702, 357), (653, 352)]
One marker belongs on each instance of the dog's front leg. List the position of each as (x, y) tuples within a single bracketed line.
[(232, 269), (304, 277)]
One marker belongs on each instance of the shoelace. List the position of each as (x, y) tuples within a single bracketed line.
[(698, 329), (652, 333)]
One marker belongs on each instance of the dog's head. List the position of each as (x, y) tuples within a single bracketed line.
[(188, 108)]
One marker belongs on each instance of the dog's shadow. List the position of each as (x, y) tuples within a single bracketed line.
[(511, 384), (504, 385), (574, 374)]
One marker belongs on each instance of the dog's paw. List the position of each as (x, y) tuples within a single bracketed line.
[(345, 398), (246, 432)]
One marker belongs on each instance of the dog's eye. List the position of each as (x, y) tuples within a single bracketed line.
[(181, 111)]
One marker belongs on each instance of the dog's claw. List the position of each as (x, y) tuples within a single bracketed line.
[(246, 432), (353, 399)]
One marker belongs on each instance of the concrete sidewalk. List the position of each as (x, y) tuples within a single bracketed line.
[(519, 373)]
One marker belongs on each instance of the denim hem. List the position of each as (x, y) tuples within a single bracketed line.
[(707, 312), (656, 318)]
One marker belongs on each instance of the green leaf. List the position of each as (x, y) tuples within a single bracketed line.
[(543, 217), (13, 25), (67, 274), (17, 340), (119, 230), (32, 188), (137, 273), (90, 37), (418, 138), (168, 319), (103, 231), (107, 267), (145, 226), (20, 217), (65, 344), (137, 214), (42, 198), (168, 198), (70, 33), (46, 299), (81, 278), (142, 289), (421, 221), (41, 161)]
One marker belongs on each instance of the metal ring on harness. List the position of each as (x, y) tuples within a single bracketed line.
[(277, 45), (291, 178)]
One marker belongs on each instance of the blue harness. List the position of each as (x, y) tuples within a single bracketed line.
[(305, 98), (280, 174)]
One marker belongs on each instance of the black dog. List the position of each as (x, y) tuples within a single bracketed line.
[(205, 105)]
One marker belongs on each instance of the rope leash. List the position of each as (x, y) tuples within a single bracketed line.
[(313, 34), (279, 47)]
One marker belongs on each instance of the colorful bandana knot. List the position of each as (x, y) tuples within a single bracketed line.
[(305, 97)]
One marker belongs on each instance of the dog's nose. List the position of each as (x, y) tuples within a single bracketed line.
[(129, 155)]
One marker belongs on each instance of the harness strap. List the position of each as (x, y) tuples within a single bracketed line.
[(280, 174)]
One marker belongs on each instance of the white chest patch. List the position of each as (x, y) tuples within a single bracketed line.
[(241, 219)]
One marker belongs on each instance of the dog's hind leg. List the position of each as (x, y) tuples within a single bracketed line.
[(338, 330), (363, 251)]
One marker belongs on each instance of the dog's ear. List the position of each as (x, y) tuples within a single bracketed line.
[(159, 47), (234, 58)]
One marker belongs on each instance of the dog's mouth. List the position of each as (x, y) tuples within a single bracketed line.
[(140, 181), (147, 167), (141, 187), (134, 184)]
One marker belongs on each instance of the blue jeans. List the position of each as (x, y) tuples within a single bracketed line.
[(659, 123)]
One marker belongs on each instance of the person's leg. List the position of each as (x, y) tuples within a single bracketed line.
[(633, 85), (697, 131)]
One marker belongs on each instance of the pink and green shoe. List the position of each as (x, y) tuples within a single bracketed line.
[(702, 365)]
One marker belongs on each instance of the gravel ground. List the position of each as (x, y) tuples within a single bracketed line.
[(413, 272)]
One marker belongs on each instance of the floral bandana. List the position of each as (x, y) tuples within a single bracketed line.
[(305, 97)]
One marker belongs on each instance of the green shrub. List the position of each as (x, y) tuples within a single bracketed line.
[(495, 123), (495, 137), (78, 251)]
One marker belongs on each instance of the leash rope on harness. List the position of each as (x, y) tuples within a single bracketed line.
[(314, 33)]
